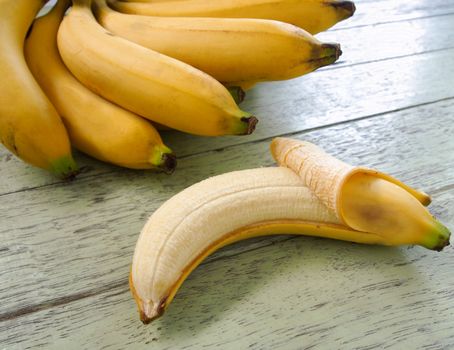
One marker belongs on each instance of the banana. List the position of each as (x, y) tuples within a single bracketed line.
[(314, 194), (145, 82), (364, 199), (219, 211), (230, 50), (312, 15), (29, 125), (95, 126)]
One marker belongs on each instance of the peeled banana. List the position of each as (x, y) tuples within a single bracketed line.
[(364, 199), (230, 50), (312, 15), (29, 125), (219, 211), (95, 126), (316, 195), (145, 82)]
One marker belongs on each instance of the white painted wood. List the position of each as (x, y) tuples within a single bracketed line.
[(299, 294), (64, 241), (391, 40), (372, 12)]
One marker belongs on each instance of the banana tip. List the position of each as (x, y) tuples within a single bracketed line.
[(65, 168), (251, 124), (71, 175), (440, 238), (169, 163), (425, 199), (149, 311), (442, 244), (347, 8), (332, 49)]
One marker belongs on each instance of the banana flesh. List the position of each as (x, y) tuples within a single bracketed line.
[(363, 199), (370, 203), (140, 79), (220, 211), (29, 125), (95, 126), (230, 50), (313, 16)]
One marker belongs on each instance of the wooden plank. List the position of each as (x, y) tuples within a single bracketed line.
[(60, 243), (375, 11), (303, 293), (271, 101), (391, 40)]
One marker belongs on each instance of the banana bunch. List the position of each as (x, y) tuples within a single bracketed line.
[(107, 75), (310, 193)]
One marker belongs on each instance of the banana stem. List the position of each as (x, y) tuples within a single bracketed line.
[(237, 93)]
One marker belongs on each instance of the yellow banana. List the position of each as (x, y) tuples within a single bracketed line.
[(95, 126), (29, 125), (312, 15), (363, 199), (150, 84), (230, 50), (217, 212)]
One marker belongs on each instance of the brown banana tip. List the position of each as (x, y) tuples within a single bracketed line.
[(332, 49), (146, 320), (169, 163), (442, 244), (347, 6), (150, 312), (71, 175), (426, 200), (251, 124)]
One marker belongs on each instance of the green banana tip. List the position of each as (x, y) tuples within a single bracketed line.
[(163, 158), (65, 168), (439, 238), (331, 50)]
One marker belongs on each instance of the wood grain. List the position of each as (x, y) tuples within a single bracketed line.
[(271, 103), (67, 241), (373, 12), (298, 294)]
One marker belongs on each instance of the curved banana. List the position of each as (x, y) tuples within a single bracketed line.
[(29, 125), (340, 201), (362, 198), (95, 126), (219, 211), (143, 81), (312, 15), (230, 50)]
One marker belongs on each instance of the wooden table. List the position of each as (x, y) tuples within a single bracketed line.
[(66, 248)]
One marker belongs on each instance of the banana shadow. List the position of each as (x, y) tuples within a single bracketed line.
[(225, 284)]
